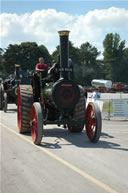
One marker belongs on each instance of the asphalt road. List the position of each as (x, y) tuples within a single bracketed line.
[(64, 162)]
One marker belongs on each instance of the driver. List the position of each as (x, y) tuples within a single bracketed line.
[(41, 66)]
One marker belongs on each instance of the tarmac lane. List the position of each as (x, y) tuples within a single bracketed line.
[(64, 162)]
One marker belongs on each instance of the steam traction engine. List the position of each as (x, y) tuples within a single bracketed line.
[(61, 102), (8, 89)]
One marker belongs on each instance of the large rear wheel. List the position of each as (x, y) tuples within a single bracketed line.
[(24, 105), (36, 123), (78, 114), (1, 96), (94, 125)]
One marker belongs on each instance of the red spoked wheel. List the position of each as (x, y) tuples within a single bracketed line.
[(94, 125), (36, 123)]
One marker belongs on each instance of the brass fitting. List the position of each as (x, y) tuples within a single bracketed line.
[(64, 33)]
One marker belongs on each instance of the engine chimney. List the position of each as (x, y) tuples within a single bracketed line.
[(65, 92), (64, 54), (17, 71)]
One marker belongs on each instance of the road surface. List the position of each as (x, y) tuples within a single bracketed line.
[(64, 162)]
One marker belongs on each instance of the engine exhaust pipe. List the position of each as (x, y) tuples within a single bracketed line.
[(17, 71), (64, 54)]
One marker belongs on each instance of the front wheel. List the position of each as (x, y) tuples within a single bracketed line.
[(36, 123), (94, 125)]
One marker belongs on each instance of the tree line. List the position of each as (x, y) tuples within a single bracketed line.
[(87, 66)]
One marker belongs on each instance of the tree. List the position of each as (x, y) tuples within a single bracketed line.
[(73, 53), (86, 65), (1, 57), (1, 63), (26, 54), (55, 53), (113, 55), (88, 54), (124, 67), (90, 67)]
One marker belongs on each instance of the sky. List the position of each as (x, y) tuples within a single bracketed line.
[(40, 21)]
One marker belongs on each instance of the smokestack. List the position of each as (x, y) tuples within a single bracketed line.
[(17, 71), (64, 53)]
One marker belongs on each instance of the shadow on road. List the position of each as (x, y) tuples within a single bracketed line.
[(105, 135), (78, 139)]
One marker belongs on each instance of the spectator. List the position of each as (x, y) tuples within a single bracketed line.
[(96, 95)]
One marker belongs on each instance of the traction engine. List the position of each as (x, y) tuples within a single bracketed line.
[(8, 89), (60, 102)]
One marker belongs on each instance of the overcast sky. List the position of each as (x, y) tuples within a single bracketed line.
[(39, 21)]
